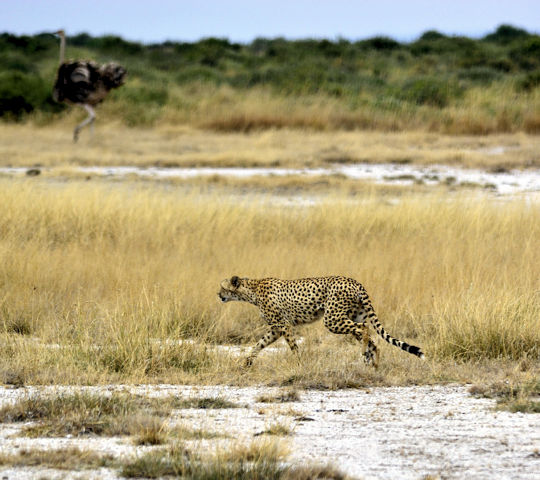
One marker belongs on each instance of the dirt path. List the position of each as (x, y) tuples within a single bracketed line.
[(380, 433)]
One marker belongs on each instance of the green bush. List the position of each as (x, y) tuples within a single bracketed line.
[(16, 62), (528, 82), (28, 45), (527, 53), (165, 60), (22, 93), (380, 43), (140, 95), (503, 65), (111, 43), (479, 75), (461, 50), (429, 91), (506, 34), (208, 51), (82, 40), (431, 35), (196, 73)]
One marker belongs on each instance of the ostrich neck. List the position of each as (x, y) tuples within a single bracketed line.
[(62, 48)]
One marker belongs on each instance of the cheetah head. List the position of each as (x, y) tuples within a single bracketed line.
[(233, 288)]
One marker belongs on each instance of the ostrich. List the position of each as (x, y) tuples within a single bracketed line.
[(85, 83)]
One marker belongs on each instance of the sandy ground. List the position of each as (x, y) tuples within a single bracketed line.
[(380, 433)]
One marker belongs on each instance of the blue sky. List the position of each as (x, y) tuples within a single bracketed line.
[(243, 20)]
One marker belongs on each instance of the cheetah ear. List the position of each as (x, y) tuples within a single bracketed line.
[(235, 281)]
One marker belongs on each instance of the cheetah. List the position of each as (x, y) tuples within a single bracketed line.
[(341, 302)]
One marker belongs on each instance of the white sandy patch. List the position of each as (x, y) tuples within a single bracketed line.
[(380, 433), (504, 183), (508, 182)]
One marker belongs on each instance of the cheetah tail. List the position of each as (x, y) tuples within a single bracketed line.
[(394, 341)]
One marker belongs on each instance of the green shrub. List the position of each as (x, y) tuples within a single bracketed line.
[(433, 44), (527, 53), (165, 60), (503, 65), (28, 45), (528, 82), (155, 95), (429, 91), (82, 40), (196, 73), (114, 44), (15, 61), (431, 35), (22, 93), (208, 51), (380, 43), (506, 34), (142, 104), (454, 50), (479, 75)]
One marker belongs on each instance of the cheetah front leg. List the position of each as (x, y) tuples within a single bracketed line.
[(290, 338), (271, 335)]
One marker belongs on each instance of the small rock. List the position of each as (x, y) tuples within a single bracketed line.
[(304, 419)]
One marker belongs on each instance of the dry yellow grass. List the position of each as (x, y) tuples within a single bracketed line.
[(169, 145), (98, 281), (481, 111)]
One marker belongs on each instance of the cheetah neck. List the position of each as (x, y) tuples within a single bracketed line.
[(250, 292)]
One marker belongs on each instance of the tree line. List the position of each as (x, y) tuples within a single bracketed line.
[(432, 70)]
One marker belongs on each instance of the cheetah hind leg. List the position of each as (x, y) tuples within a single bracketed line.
[(371, 355), (369, 349)]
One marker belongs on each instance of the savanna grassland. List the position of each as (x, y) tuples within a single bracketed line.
[(113, 281), (108, 282)]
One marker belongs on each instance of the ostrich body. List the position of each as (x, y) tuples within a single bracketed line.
[(85, 83)]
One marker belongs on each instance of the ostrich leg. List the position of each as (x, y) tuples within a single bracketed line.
[(88, 120)]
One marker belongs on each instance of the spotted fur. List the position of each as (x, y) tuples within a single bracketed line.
[(341, 302)]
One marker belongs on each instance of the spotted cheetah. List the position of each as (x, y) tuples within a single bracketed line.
[(341, 302)]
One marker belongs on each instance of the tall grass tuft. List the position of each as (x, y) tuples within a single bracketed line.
[(258, 460)]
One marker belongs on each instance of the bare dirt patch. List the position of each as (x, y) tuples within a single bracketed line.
[(382, 433)]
